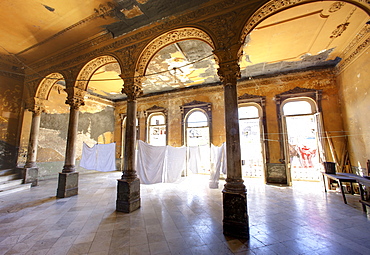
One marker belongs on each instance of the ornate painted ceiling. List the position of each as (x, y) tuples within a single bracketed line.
[(307, 36)]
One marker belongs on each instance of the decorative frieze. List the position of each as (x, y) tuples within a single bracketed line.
[(46, 84), (89, 69)]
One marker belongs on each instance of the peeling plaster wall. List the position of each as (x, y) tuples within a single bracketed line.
[(268, 87), (10, 109), (354, 88), (95, 125)]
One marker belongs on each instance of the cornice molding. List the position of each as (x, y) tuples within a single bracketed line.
[(358, 51)]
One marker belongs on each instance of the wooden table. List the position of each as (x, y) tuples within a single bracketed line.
[(339, 178), (362, 181)]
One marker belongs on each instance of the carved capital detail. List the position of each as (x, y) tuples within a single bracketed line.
[(132, 87), (35, 105), (229, 72), (75, 97)]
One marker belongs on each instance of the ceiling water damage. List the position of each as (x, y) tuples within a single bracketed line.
[(307, 36)]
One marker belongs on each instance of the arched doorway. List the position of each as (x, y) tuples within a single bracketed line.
[(197, 140), (251, 146), (301, 125)]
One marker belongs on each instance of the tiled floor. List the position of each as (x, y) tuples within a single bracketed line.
[(181, 218)]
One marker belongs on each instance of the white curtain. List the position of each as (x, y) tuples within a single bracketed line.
[(217, 163), (175, 163), (106, 157), (88, 158), (164, 164), (156, 164), (100, 157), (150, 162), (194, 159)]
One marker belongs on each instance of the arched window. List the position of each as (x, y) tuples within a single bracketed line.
[(303, 106), (197, 128), (156, 129)]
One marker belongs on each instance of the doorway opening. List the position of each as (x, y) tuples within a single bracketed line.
[(302, 143), (251, 148)]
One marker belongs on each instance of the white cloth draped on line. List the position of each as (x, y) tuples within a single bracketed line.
[(217, 160), (175, 163), (157, 164), (150, 162), (100, 157), (106, 157), (88, 158)]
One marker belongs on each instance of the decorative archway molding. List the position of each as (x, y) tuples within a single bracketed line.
[(274, 6), (44, 88), (176, 35), (88, 70)]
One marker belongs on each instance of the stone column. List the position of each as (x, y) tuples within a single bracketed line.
[(68, 178), (235, 222), (128, 187), (30, 173)]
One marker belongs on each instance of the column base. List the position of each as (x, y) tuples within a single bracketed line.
[(235, 222), (31, 175), (67, 184), (128, 195)]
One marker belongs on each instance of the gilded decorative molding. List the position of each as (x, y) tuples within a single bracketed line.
[(360, 48), (89, 69), (166, 39), (46, 84), (359, 36), (336, 7)]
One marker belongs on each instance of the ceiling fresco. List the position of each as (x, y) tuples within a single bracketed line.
[(308, 36)]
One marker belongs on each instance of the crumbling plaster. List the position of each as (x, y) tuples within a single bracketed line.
[(354, 95)]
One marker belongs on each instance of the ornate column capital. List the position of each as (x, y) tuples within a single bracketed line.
[(35, 105), (75, 97), (228, 61), (132, 86)]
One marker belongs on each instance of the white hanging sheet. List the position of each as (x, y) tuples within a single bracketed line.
[(217, 155), (164, 164), (100, 157), (175, 163), (88, 158), (150, 162), (106, 158), (224, 159), (194, 159)]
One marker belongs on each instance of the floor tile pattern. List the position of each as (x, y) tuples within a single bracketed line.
[(180, 218)]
